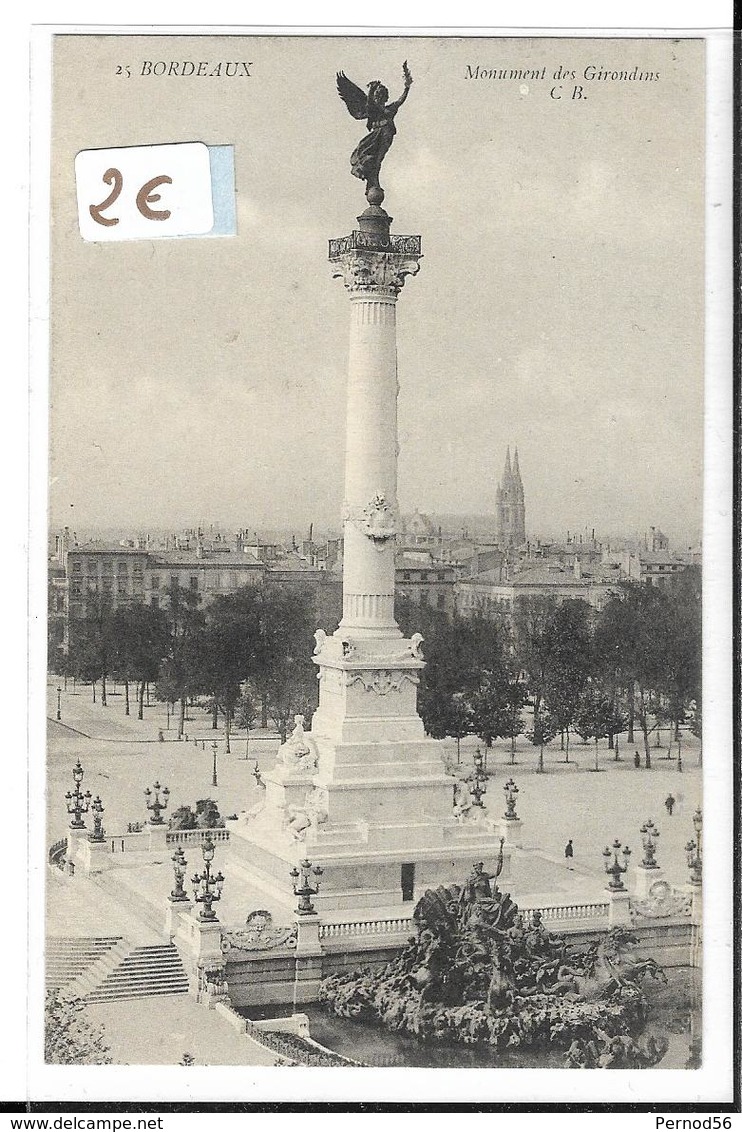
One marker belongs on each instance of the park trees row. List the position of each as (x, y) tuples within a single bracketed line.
[(248, 653), (634, 665)]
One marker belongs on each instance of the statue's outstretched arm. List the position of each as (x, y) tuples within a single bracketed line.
[(393, 107)]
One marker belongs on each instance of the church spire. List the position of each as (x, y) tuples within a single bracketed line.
[(510, 504)]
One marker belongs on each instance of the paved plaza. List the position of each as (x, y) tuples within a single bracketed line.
[(122, 755), (182, 1026)]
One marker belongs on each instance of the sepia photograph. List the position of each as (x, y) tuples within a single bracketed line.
[(381, 690)]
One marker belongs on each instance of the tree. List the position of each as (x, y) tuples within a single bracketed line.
[(246, 711), (464, 662), (183, 818), (633, 630), (291, 690), (542, 732), (227, 652), (516, 696), (92, 642), (178, 677), (612, 665), (682, 644), (496, 707), (140, 643), (425, 619), (568, 647), (245, 715), (69, 1038), (534, 640), (595, 715), (284, 676)]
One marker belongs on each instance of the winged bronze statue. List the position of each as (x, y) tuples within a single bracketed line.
[(366, 158)]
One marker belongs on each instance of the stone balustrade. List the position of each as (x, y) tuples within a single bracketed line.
[(396, 925), (597, 910), (195, 836), (404, 925)]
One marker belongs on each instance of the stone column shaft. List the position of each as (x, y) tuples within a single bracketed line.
[(373, 266), (370, 462)]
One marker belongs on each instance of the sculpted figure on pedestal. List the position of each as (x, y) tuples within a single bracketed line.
[(313, 812), (462, 800), (297, 753), (366, 159)]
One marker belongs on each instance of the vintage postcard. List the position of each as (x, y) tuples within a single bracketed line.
[(387, 721)]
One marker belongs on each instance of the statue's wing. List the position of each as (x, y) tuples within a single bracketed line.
[(352, 95)]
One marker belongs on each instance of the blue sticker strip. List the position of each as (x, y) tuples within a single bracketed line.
[(221, 158), (221, 161)]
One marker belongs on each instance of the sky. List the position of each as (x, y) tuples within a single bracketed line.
[(559, 305)]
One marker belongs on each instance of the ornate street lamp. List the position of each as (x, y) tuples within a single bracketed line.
[(511, 793), (59, 703), (157, 806), (179, 869), (305, 890), (214, 781), (207, 888), (694, 850), (77, 802), (616, 870), (649, 833), (99, 833), (478, 781)]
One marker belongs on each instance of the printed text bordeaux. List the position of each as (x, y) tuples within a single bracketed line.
[(203, 70)]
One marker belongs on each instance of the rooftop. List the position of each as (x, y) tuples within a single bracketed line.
[(537, 575)]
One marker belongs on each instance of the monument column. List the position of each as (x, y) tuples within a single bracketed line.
[(373, 266), (365, 793)]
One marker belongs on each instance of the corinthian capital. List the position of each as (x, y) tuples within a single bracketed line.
[(374, 272)]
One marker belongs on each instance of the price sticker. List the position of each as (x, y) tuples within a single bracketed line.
[(148, 192)]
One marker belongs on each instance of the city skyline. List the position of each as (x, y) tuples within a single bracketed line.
[(567, 319), (477, 528)]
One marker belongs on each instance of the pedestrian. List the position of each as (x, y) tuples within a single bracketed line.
[(680, 763), (637, 760), (669, 804), (569, 853)]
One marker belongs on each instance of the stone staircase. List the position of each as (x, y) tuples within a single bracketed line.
[(98, 971), (154, 969), (68, 957)]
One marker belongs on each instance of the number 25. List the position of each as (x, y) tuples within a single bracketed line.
[(145, 197)]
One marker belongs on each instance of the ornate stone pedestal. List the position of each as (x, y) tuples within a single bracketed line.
[(619, 911), (378, 812), (512, 830), (173, 910), (157, 837), (645, 877), (93, 856)]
